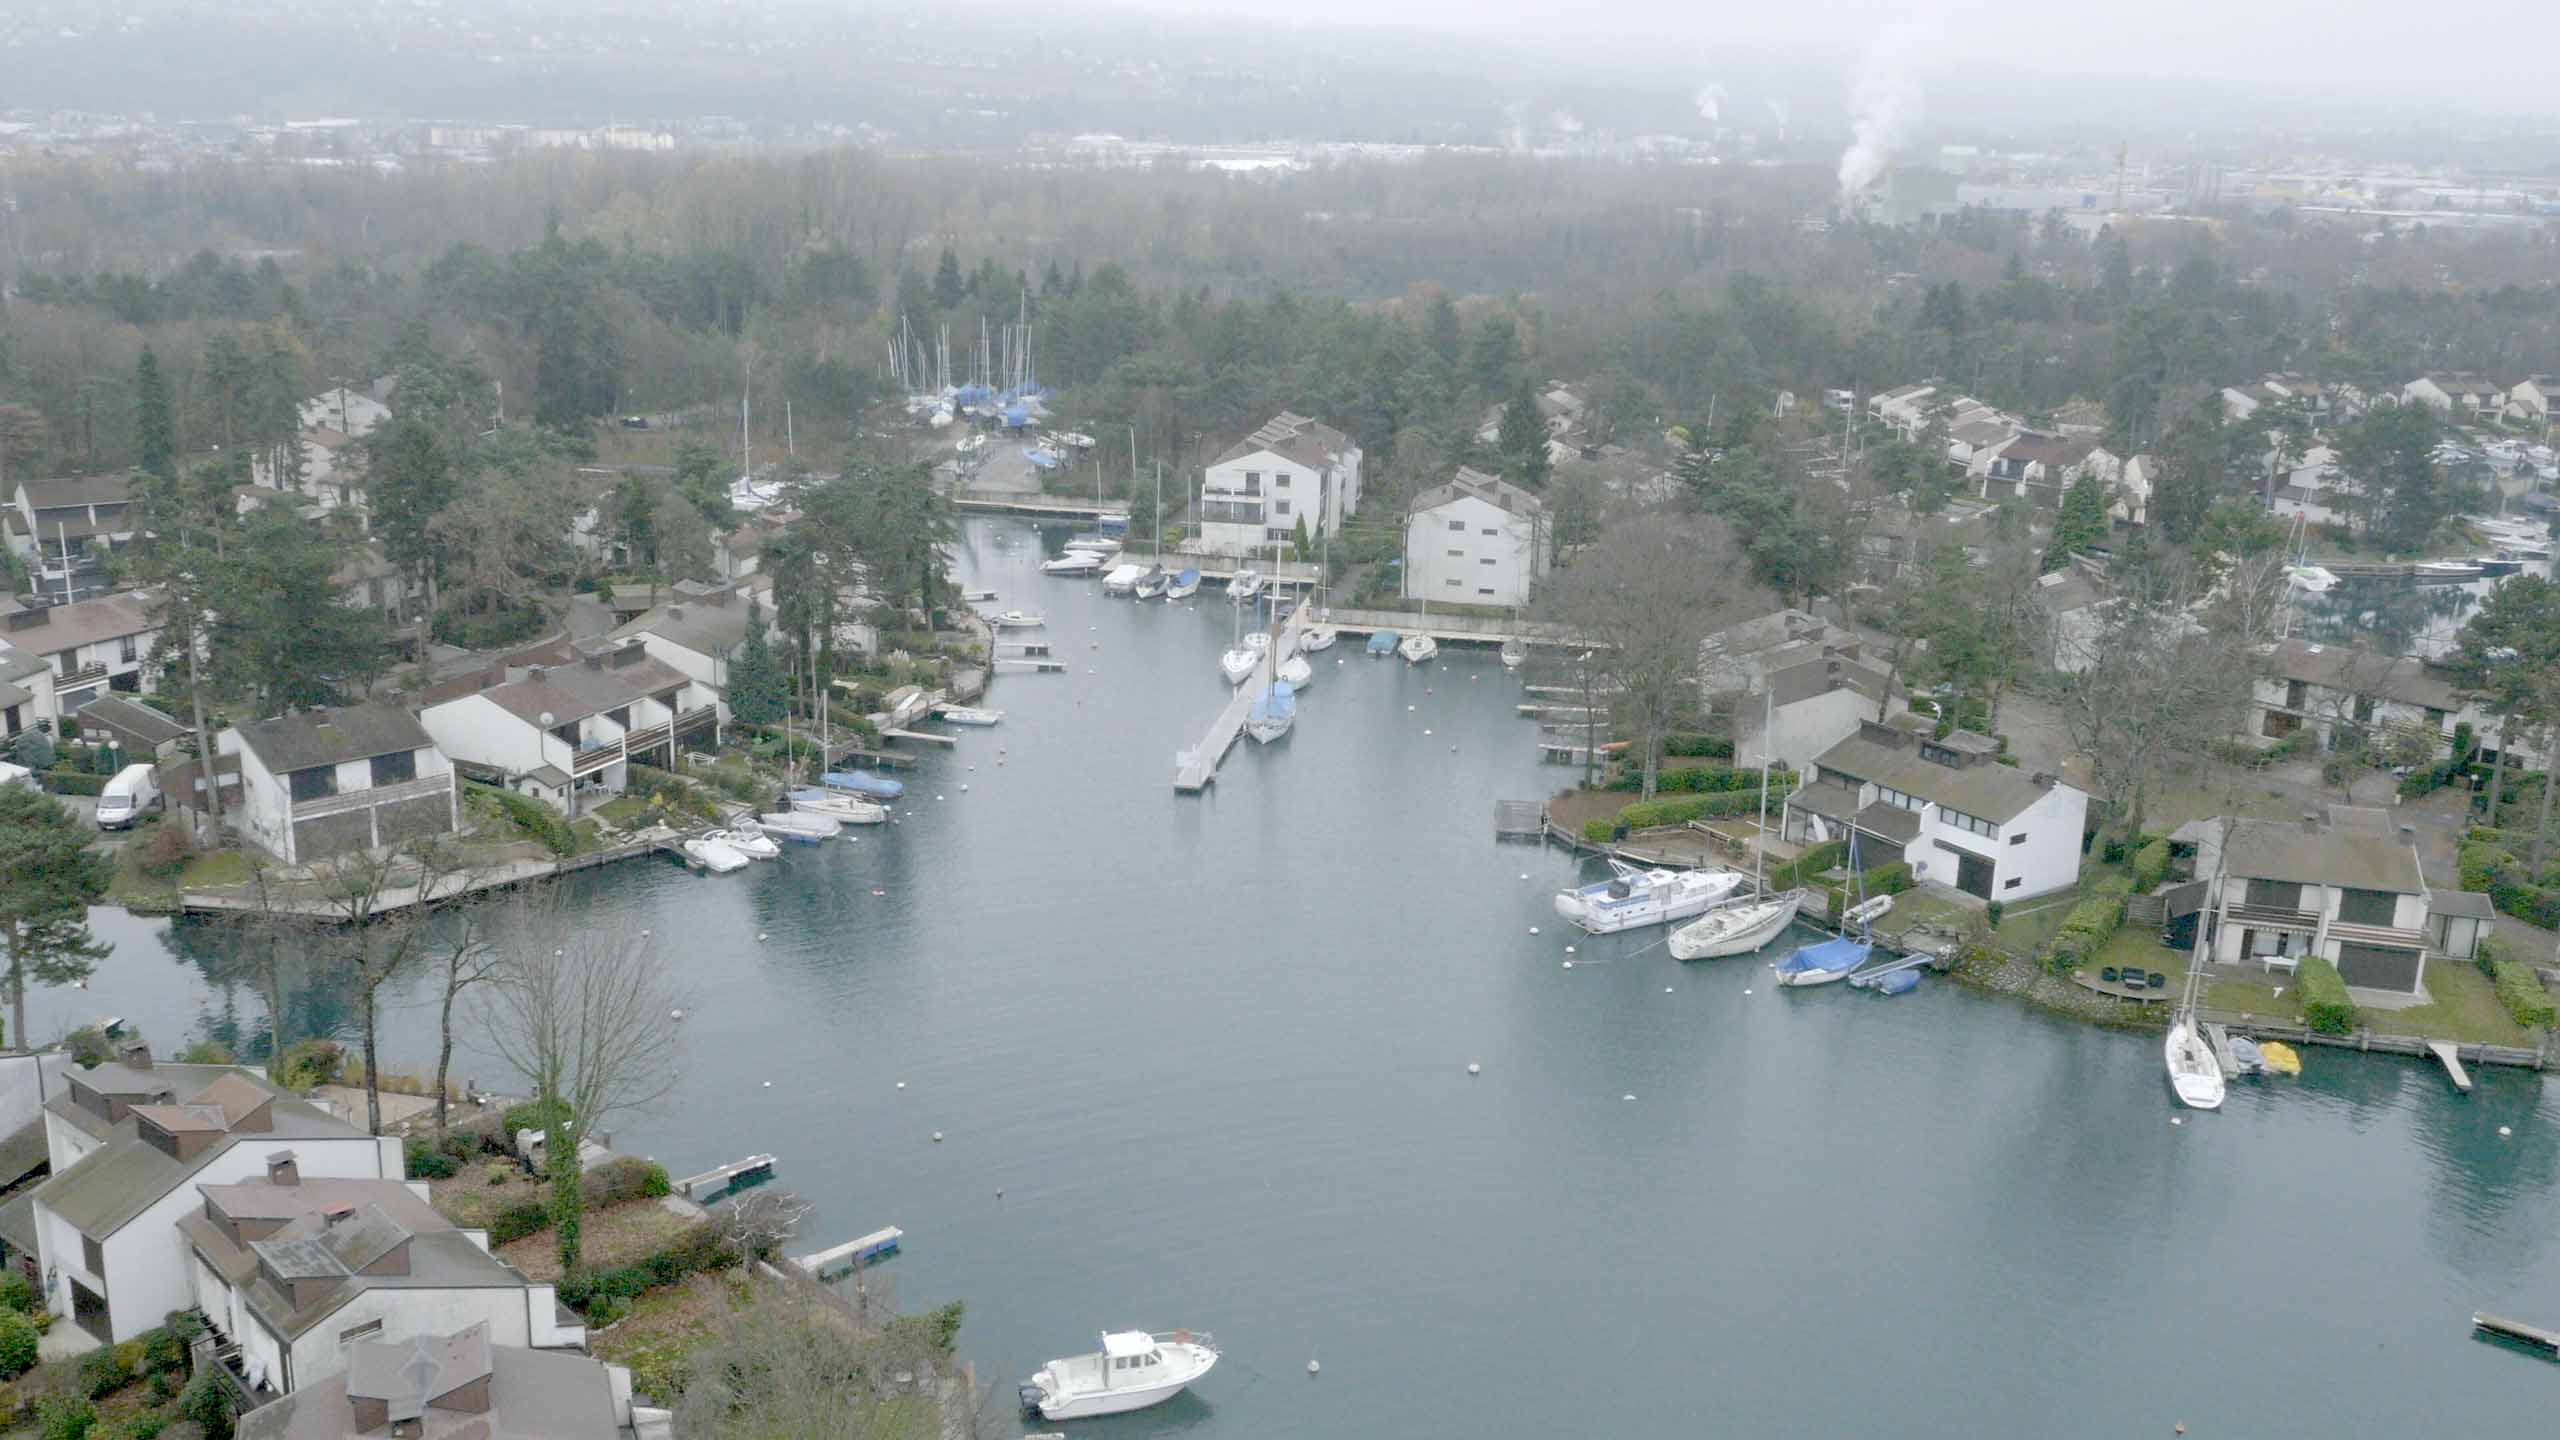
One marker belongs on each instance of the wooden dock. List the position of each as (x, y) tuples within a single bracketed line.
[(852, 1255), (2451, 1058), (723, 1181), (1037, 506), (2536, 1338), (1194, 768), (1015, 665), (948, 742)]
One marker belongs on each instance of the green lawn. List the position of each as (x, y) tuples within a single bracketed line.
[(623, 813), (2464, 1005)]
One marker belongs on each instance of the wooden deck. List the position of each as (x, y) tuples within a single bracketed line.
[(1194, 768)]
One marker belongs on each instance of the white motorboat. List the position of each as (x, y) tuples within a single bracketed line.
[(748, 841), (2193, 1072), (968, 715), (1417, 647), (1074, 562), (1632, 899), (1184, 585), (1317, 637), (1297, 672), (2444, 571), (713, 855), (2311, 579), (1152, 584), (801, 826), (1246, 584), (1073, 440), (1515, 653), (1017, 620), (1131, 1371), (842, 806), (1274, 713), (1096, 542), (1737, 928), (2524, 548), (1123, 579), (1238, 664)]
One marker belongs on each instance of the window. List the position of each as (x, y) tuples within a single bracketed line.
[(314, 783), (1973, 823), (2297, 695), (1457, 527), (2435, 718), (2018, 839), (1484, 589), (1899, 800), (93, 1257), (124, 649), (395, 767), (365, 1331), (1457, 554), (2012, 882), (1489, 530), (1454, 584), (1279, 507), (1486, 560), (621, 715), (2367, 907), (1253, 482), (2363, 709)]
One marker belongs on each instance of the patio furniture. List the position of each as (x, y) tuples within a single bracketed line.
[(2159, 981), (2287, 963), (2133, 979), (2107, 975)]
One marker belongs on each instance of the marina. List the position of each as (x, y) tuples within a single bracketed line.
[(1352, 1179)]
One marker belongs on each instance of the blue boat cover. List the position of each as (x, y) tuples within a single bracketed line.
[(1841, 954), (863, 782), (1382, 642), (1900, 982), (1187, 577)]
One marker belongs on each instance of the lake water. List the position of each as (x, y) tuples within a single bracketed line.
[(1201, 1062)]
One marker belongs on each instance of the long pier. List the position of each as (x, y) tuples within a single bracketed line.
[(1036, 505), (1194, 768)]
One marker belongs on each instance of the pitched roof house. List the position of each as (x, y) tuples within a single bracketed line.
[(459, 1385), (316, 783), (1292, 470), (1477, 539), (1946, 807), (556, 731), (62, 531), (2342, 883)]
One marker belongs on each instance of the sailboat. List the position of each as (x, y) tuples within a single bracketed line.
[(1183, 585), (2195, 1074), (1418, 647), (1274, 712), (1240, 660), (1515, 653), (1827, 960), (1742, 926), (1319, 633), (1297, 672)]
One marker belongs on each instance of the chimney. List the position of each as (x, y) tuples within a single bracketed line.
[(2044, 779), (633, 651), (718, 597), (337, 1213), (595, 660), (283, 1169), (533, 673), (135, 1053)]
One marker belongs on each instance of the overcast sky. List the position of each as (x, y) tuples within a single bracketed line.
[(2494, 54)]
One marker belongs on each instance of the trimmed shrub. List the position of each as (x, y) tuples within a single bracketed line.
[(1705, 747), (620, 1179), (1992, 910), (205, 1402), (2326, 1006), (2150, 866), (537, 820), (655, 1185), (19, 1342), (65, 1417), (2089, 925), (16, 1294), (1888, 879), (1804, 867), (426, 1162), (104, 1371), (517, 1221), (162, 1350), (2478, 861), (1705, 779), (2522, 992), (75, 782)]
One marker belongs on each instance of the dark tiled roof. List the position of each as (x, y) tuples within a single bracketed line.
[(2353, 846), (133, 719), (78, 490), (569, 693), (328, 736), (84, 622), (1993, 792), (1491, 489), (2352, 671), (124, 1176), (1311, 443)]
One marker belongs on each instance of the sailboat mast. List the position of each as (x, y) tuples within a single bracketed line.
[(1760, 842)]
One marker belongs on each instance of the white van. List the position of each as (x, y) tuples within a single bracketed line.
[(134, 790), (18, 775)]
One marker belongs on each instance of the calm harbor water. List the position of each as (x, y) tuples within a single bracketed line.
[(1202, 1062)]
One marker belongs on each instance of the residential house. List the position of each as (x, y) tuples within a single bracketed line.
[(1294, 473), (299, 1269), (2337, 692), (560, 731), (26, 691), (1946, 807), (1898, 540), (463, 1385), (367, 580), (61, 531), (2316, 490), (699, 635), (1904, 409), (2341, 883), (2036, 467), (142, 732), (1972, 444), (2072, 603), (1809, 700), (329, 449), (1566, 417), (317, 783), (129, 1141), (1477, 540), (92, 646), (2457, 395), (2131, 490), (2533, 400)]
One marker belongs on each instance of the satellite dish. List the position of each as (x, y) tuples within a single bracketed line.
[(546, 720)]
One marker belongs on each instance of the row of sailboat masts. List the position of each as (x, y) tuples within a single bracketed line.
[(1003, 361)]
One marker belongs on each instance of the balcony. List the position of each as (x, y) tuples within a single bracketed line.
[(85, 675), (646, 738), (2269, 917), (318, 806), (2390, 936), (696, 718), (1230, 512), (594, 758)]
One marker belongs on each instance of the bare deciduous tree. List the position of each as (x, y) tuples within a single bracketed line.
[(384, 902), (796, 1363), (1642, 599)]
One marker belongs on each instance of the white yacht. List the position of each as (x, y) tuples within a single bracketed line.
[(1131, 1371), (1123, 579), (713, 855), (747, 841), (1074, 562), (1239, 663), (968, 715), (1632, 898), (841, 806), (1246, 584), (1017, 620), (801, 826), (1417, 647), (2193, 1072), (1184, 584), (1736, 929), (1152, 584)]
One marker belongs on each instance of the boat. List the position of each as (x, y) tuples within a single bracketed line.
[(1273, 714), (968, 715), (2521, 548), (1824, 961), (2495, 565), (1152, 584), (1246, 584), (838, 805), (1317, 637), (2277, 1058), (1183, 585), (1074, 439), (1131, 1371), (1297, 672), (1074, 562), (2246, 1057), (1123, 579), (1867, 911), (1515, 653), (713, 855), (1239, 663), (1417, 647), (1258, 641), (1382, 643), (1737, 928), (863, 782), (799, 826), (1095, 541), (1017, 620), (2311, 579), (1631, 898), (747, 841), (1897, 982), (2444, 571), (2193, 1072)]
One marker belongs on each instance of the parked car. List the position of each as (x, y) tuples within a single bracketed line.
[(135, 789)]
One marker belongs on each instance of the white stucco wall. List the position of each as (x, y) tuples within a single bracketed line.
[(1497, 561), (1806, 729)]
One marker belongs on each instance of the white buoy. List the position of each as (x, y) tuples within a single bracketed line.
[(759, 935), (768, 1084), (964, 789), (1533, 929), (1313, 1367), (1666, 989), (1568, 964), (2174, 1120), (937, 797), (1474, 1069), (2503, 1130), (1524, 874), (1568, 950), (1746, 992), (937, 1137), (1426, 729), (676, 1014), (902, 1084), (1626, 1097), (1408, 707)]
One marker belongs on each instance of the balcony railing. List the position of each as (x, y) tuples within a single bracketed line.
[(697, 717), (85, 675), (318, 806), (2271, 917), (1230, 512), (646, 738), (595, 758), (2387, 935)]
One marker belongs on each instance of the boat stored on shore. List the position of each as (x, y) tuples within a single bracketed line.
[(1632, 899), (1131, 1371)]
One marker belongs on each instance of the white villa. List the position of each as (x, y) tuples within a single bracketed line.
[(1292, 472), (1946, 807), (558, 732), (317, 783), (1477, 540)]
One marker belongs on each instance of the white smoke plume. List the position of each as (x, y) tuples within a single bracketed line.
[(1711, 103), (1884, 104)]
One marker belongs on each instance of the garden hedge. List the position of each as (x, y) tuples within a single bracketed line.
[(2150, 866), (2488, 861), (2326, 1006), (1804, 867), (1647, 814), (2090, 924), (1707, 779), (2522, 992), (75, 782)]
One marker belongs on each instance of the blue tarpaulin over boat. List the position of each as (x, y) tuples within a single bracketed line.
[(1900, 982), (863, 782), (1841, 956), (1280, 702), (1017, 416), (1382, 643)]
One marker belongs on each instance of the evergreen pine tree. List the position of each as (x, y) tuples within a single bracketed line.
[(2082, 522), (154, 426), (948, 289), (758, 693), (1522, 439)]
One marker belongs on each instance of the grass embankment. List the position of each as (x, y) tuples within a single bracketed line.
[(624, 1234), (658, 1338)]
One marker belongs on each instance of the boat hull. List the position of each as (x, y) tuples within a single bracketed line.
[(2194, 1075), (1317, 637), (1085, 1404), (1755, 923), (1663, 904), (1799, 979), (1417, 648)]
